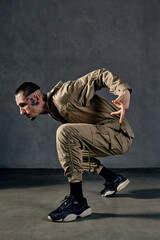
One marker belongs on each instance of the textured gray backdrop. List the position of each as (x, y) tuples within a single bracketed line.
[(50, 40)]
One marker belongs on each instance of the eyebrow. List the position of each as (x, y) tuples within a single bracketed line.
[(22, 104)]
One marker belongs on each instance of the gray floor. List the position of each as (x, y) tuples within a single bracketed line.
[(26, 197)]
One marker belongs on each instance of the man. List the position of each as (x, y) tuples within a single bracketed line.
[(91, 127)]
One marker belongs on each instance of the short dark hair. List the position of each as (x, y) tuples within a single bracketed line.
[(27, 88)]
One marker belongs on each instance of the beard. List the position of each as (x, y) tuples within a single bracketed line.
[(32, 119), (44, 110)]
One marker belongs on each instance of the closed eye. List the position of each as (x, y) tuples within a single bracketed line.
[(22, 104)]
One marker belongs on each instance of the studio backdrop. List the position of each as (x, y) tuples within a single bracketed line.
[(52, 40)]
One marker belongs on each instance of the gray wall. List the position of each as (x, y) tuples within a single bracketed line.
[(50, 40)]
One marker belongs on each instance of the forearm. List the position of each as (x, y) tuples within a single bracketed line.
[(107, 79)]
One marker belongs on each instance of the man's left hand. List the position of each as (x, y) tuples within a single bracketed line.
[(122, 102)]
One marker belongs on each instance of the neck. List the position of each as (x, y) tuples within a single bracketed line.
[(44, 109), (44, 105)]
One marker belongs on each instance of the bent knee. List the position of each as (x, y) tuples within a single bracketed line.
[(64, 128), (65, 131)]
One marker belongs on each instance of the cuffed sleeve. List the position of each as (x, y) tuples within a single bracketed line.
[(111, 81)]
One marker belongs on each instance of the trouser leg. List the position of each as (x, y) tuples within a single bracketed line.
[(91, 164), (76, 142), (69, 152), (72, 140)]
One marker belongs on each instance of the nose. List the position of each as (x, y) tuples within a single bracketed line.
[(22, 111)]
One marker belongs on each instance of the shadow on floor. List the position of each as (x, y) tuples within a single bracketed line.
[(111, 215), (141, 194), (96, 216)]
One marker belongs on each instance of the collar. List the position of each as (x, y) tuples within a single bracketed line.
[(54, 89)]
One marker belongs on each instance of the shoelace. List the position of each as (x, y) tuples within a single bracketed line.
[(65, 202), (66, 198)]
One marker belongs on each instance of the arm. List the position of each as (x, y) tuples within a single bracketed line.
[(84, 88), (115, 84)]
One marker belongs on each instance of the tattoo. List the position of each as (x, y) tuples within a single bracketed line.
[(33, 102)]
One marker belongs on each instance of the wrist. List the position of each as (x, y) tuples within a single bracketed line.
[(127, 91)]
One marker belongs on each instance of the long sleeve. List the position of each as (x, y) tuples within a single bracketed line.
[(83, 89), (113, 82)]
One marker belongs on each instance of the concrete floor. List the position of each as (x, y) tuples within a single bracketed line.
[(27, 196)]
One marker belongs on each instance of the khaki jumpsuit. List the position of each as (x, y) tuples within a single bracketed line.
[(88, 130)]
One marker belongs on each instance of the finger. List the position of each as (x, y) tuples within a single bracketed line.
[(117, 99), (116, 113), (122, 115), (118, 104)]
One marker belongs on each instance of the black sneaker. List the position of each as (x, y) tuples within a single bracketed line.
[(70, 209), (116, 186)]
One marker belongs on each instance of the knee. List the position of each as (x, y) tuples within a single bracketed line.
[(63, 129), (64, 132)]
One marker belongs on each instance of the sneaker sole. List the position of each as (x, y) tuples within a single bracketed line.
[(108, 193), (119, 188), (72, 217), (123, 185)]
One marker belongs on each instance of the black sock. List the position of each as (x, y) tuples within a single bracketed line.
[(76, 191), (108, 175)]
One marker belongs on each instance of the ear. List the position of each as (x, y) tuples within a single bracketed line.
[(37, 96)]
